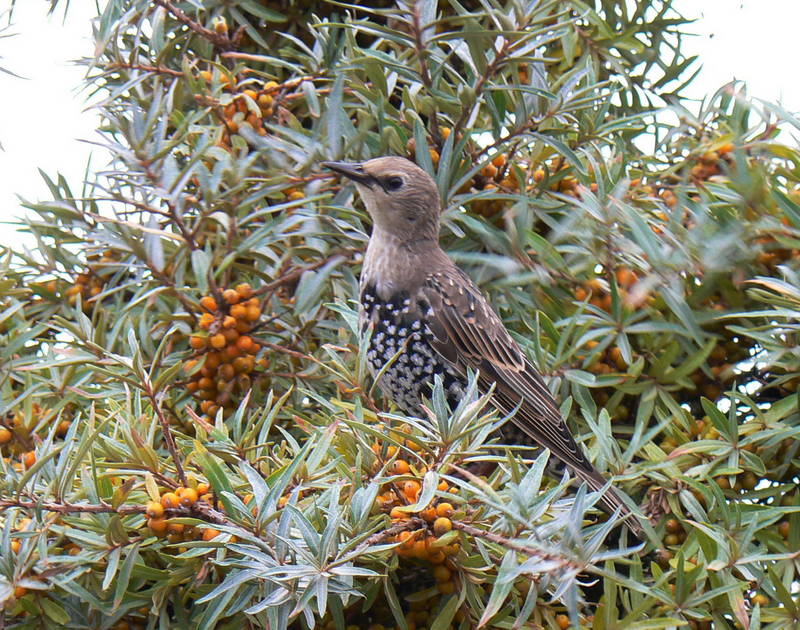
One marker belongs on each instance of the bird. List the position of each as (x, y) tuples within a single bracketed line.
[(430, 319)]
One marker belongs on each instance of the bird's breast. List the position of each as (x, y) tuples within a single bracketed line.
[(400, 350)]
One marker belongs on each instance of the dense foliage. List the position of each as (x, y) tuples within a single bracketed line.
[(190, 437)]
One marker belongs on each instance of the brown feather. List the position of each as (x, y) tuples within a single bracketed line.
[(470, 335)]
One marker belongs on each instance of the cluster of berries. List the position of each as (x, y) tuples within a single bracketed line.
[(435, 540), (225, 354), (174, 531), (249, 105), (91, 283), (19, 433)]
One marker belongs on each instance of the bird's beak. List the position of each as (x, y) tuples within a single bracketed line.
[(354, 171)]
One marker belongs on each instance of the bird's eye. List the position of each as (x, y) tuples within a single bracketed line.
[(394, 183)]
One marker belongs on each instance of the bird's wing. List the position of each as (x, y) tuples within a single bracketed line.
[(470, 335)]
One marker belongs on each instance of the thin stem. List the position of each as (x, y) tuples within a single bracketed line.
[(220, 41)]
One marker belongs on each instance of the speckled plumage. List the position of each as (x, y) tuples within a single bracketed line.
[(400, 328), (428, 317)]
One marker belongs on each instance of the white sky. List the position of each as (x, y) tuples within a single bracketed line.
[(43, 117)]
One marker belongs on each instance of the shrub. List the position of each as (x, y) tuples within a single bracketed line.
[(190, 436)]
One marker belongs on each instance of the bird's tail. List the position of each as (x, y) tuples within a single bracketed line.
[(612, 499)]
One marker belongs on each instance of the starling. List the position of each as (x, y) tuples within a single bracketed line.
[(429, 318)]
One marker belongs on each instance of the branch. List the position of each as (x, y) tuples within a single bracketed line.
[(296, 273), (561, 561), (144, 68), (69, 508), (173, 451), (220, 41)]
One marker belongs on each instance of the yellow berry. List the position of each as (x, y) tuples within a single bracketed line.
[(188, 497), (210, 534), (154, 509), (170, 500), (442, 525), (157, 525), (445, 509)]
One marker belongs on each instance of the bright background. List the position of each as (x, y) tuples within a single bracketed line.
[(44, 117)]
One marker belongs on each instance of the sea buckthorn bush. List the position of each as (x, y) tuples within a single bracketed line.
[(189, 434)]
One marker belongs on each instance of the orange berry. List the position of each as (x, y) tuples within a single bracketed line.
[(208, 303), (229, 322), (221, 26), (253, 313), (206, 319), (230, 335), (170, 500), (445, 510), (245, 344), (213, 360), (218, 341), (15, 546), (443, 486), (244, 290), (154, 509), (231, 296), (157, 525), (197, 342), (230, 353), (175, 528), (400, 467), (428, 514), (5, 436), (28, 459), (19, 591), (203, 488), (442, 525), (399, 515), (210, 534), (562, 621), (239, 311), (406, 538), (188, 497), (499, 160), (411, 489), (226, 373), (243, 364)]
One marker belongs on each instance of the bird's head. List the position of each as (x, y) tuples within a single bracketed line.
[(401, 198)]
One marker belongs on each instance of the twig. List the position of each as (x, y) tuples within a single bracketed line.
[(422, 55), (68, 508), (491, 68), (296, 273), (220, 41), (510, 544), (144, 68), (173, 451)]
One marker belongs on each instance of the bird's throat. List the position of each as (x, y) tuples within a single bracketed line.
[(392, 264)]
